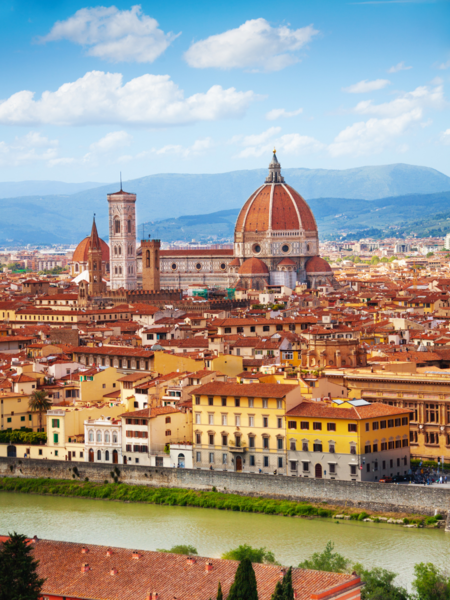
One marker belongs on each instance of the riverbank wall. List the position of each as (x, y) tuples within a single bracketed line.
[(373, 496)]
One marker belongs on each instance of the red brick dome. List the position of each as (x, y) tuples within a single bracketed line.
[(275, 206), (82, 250), (318, 265), (253, 266)]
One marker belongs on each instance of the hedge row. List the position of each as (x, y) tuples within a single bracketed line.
[(22, 437)]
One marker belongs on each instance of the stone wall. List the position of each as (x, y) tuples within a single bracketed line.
[(375, 496)]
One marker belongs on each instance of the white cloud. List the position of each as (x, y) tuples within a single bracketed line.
[(253, 45), (444, 66), (399, 67), (101, 98), (281, 113), (445, 137), (366, 86), (113, 34), (263, 143), (30, 148), (374, 135), (390, 121), (111, 141), (198, 147), (422, 97)]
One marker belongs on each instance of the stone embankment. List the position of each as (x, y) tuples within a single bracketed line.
[(373, 496)]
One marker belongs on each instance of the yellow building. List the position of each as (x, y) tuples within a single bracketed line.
[(351, 440), (15, 413), (241, 427)]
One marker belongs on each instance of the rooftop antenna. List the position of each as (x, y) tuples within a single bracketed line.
[(120, 180)]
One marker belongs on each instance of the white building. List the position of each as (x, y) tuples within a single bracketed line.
[(103, 440)]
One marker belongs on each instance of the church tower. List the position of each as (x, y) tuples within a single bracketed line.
[(122, 240), (96, 285), (151, 265)]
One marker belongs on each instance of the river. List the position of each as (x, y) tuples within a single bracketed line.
[(149, 527)]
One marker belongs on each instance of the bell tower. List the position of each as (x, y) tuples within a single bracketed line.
[(151, 265), (122, 240), (96, 285)]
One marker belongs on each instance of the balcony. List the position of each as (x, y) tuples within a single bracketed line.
[(234, 448)]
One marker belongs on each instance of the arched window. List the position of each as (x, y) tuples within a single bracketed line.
[(120, 270), (115, 270), (99, 436), (107, 437), (95, 265), (107, 455), (120, 250), (116, 225), (129, 225), (99, 455), (115, 250), (147, 255), (77, 268), (114, 438), (91, 436)]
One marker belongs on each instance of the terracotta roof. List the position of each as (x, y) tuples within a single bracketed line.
[(234, 263), (286, 262), (113, 351), (253, 266), (325, 411), (168, 575), (252, 390), (82, 251), (278, 207), (150, 413), (318, 265)]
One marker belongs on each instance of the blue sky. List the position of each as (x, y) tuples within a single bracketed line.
[(204, 87)]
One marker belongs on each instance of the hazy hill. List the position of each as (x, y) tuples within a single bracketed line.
[(56, 218), (14, 189), (419, 213)]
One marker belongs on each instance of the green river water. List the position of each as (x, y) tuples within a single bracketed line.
[(148, 527)]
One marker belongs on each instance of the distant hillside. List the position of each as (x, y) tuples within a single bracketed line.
[(41, 218), (415, 213), (15, 189)]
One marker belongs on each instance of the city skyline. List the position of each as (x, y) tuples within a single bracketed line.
[(89, 91)]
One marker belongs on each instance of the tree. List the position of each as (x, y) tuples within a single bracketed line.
[(244, 586), (255, 555), (430, 583), (278, 593), (378, 584), (39, 402), (219, 592), (181, 549), (326, 561), (18, 577), (429, 255), (288, 590)]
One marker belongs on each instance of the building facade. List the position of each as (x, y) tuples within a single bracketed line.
[(122, 240), (348, 440)]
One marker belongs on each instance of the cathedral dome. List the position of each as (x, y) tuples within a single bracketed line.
[(318, 265), (82, 250), (275, 206), (253, 266)]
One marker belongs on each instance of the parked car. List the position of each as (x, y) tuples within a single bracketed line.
[(386, 480)]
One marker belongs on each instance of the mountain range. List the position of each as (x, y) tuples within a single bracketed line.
[(347, 199)]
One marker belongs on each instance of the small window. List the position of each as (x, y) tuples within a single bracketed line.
[(304, 425), (224, 401), (375, 425), (266, 461), (391, 423), (367, 426), (317, 426), (280, 444), (197, 400), (237, 401), (292, 424), (265, 421), (352, 469), (352, 427), (168, 420), (210, 401), (331, 426)]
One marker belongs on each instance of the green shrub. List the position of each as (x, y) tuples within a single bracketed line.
[(363, 516)]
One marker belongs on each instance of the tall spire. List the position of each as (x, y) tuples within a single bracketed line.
[(95, 240), (274, 170)]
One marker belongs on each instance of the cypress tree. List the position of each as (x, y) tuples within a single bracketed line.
[(18, 577), (219, 592), (278, 593), (244, 586), (288, 590)]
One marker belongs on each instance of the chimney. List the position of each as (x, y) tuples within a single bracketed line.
[(84, 550), (208, 566), (85, 568), (136, 555), (113, 571), (191, 560), (109, 552)]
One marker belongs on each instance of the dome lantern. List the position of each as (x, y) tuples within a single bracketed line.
[(274, 170)]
